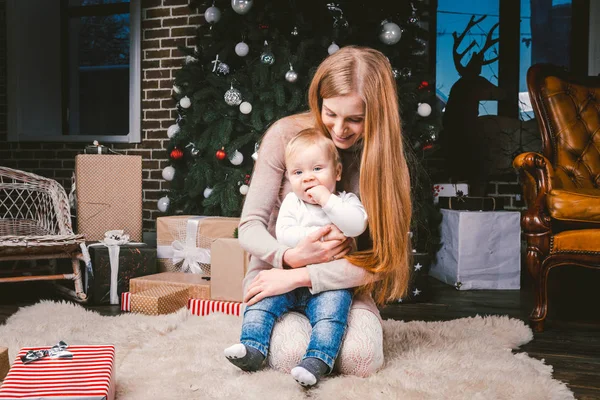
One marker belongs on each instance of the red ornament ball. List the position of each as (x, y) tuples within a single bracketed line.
[(221, 154), (424, 85), (176, 154)]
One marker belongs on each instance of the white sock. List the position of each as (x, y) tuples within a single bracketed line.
[(303, 376), (235, 351)]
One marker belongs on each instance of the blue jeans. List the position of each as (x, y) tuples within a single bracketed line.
[(326, 311)]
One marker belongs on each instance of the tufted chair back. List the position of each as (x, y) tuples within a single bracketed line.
[(568, 112)]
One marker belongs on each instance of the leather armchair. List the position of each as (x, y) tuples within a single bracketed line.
[(561, 186)]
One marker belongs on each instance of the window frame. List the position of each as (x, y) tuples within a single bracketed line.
[(15, 131)]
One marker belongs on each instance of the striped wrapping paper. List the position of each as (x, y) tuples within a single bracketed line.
[(125, 301), (203, 307), (89, 375)]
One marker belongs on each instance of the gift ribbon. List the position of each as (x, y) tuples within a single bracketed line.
[(113, 240), (187, 252), (59, 350)]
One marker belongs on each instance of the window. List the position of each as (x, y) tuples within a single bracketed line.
[(74, 70)]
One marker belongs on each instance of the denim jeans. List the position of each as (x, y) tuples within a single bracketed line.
[(326, 311)]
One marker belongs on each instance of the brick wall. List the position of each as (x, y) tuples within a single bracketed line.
[(166, 24)]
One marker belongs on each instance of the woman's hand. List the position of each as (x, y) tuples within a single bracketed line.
[(273, 282), (324, 245)]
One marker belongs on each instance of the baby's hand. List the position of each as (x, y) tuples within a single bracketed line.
[(320, 194)]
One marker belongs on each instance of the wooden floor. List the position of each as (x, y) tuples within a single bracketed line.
[(571, 342)]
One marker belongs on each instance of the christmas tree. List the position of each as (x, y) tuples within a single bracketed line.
[(252, 65)]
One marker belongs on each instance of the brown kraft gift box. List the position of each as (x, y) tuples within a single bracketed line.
[(109, 195), (159, 300), (197, 285), (175, 228), (229, 265)]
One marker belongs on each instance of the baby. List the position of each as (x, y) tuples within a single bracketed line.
[(313, 168)]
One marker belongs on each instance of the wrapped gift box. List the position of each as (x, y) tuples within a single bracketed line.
[(135, 260), (109, 195), (480, 250), (467, 203), (184, 241), (449, 190), (197, 285), (4, 364), (230, 263), (89, 375), (159, 300), (202, 307)]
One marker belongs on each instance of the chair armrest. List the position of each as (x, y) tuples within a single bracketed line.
[(537, 176)]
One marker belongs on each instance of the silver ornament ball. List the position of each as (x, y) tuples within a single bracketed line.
[(241, 6), (390, 33), (233, 97), (242, 49), (291, 76), (212, 15), (222, 69)]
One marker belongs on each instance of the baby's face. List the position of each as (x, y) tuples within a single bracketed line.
[(310, 167)]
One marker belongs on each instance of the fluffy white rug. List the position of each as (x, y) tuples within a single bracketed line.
[(179, 356)]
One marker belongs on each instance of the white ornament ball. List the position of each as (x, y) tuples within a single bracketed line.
[(207, 192), (212, 15), (185, 102), (332, 48), (163, 204), (424, 110), (241, 6), (190, 59), (244, 189), (291, 76), (168, 173), (242, 49), (236, 158), (390, 33), (172, 131), (245, 108), (176, 89)]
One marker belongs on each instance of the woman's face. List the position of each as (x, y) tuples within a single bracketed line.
[(344, 117)]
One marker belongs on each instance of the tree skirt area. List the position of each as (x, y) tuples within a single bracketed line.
[(180, 356)]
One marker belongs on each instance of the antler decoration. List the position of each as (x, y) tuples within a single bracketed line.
[(477, 60)]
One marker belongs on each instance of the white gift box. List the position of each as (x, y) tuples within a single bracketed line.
[(480, 250), (448, 190)]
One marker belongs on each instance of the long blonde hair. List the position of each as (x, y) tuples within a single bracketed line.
[(384, 175)]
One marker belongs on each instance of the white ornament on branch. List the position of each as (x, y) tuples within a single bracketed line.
[(424, 110), (212, 15), (245, 107), (176, 89), (242, 49), (332, 48), (163, 204), (185, 102), (236, 158), (244, 189), (172, 130), (207, 192), (168, 173)]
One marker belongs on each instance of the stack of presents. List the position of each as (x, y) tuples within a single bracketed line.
[(197, 263)]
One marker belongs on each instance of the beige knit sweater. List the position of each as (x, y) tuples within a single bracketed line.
[(268, 188)]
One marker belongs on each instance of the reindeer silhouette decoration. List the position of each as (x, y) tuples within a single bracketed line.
[(463, 143)]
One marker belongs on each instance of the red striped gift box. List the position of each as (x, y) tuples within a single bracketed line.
[(89, 375), (203, 307), (125, 301)]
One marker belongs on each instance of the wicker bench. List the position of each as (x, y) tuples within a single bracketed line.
[(35, 224)]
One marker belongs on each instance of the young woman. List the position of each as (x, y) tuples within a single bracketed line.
[(353, 99)]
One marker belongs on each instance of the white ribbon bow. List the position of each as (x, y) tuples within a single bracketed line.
[(191, 256), (112, 240)]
